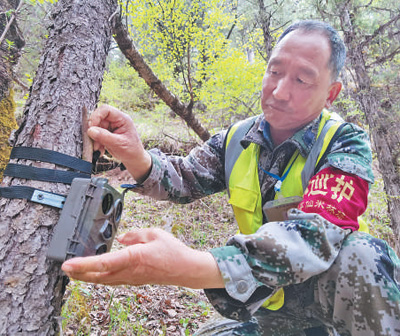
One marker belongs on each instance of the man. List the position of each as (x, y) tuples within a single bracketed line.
[(297, 274)]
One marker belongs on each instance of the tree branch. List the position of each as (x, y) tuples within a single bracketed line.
[(138, 63), (382, 59), (380, 29), (19, 82), (9, 23)]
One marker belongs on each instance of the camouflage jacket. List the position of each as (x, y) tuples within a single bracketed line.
[(201, 173)]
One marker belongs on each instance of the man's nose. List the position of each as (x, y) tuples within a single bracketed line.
[(282, 89)]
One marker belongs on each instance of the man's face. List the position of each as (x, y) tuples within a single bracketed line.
[(297, 84)]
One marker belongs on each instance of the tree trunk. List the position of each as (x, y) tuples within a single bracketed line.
[(265, 23), (67, 82), (11, 44), (138, 63), (384, 127)]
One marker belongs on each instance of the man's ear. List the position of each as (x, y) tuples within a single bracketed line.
[(333, 93)]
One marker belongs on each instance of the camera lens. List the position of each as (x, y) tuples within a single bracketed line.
[(101, 249), (106, 230), (118, 211), (107, 203)]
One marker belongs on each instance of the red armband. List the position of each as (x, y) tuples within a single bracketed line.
[(337, 196)]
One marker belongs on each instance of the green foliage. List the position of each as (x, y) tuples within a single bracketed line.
[(186, 45), (123, 88), (233, 86), (10, 44), (349, 108), (184, 36), (9, 13)]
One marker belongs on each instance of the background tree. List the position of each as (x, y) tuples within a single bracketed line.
[(137, 61), (372, 36), (67, 83), (190, 47), (11, 44), (270, 26)]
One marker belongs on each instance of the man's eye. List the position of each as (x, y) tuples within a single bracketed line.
[(300, 81)]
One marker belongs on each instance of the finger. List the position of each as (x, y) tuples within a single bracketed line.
[(98, 147), (94, 133), (93, 277), (103, 138), (135, 236), (109, 262), (110, 279), (139, 236), (104, 113), (104, 278)]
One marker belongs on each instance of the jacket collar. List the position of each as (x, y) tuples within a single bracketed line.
[(303, 139)]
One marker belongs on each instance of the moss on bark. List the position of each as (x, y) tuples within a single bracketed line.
[(7, 124)]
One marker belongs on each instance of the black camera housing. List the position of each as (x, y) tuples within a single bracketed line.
[(89, 220)]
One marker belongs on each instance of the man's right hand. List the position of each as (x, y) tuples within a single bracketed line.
[(151, 256), (115, 131)]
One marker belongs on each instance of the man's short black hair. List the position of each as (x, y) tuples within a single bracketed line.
[(338, 49)]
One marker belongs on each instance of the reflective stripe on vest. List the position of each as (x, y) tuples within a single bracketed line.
[(241, 171), (241, 174)]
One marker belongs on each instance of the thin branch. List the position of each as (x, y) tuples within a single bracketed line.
[(383, 59), (390, 10), (380, 30), (189, 76), (234, 22), (364, 6), (19, 82), (113, 14), (187, 142), (9, 23)]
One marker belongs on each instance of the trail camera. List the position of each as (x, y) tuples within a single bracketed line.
[(88, 221)]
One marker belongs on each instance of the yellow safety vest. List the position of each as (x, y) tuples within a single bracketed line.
[(241, 172)]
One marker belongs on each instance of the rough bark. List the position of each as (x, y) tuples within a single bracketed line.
[(67, 82), (9, 55), (384, 127), (265, 23), (138, 63)]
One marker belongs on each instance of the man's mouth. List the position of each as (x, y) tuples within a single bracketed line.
[(276, 107)]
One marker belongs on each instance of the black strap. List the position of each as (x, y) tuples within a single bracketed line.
[(17, 192), (46, 155), (34, 195), (81, 169), (42, 174)]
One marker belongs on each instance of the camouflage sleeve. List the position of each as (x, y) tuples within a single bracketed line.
[(279, 254), (351, 153), (184, 179)]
